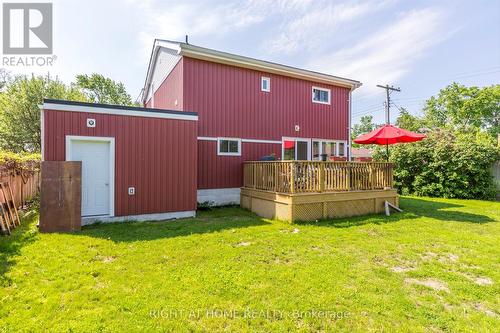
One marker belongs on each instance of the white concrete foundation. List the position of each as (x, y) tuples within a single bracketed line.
[(144, 217), (220, 196)]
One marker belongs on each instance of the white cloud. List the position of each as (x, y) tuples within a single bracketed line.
[(309, 29), (201, 19), (387, 54)]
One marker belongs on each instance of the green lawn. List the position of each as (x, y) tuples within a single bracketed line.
[(435, 267)]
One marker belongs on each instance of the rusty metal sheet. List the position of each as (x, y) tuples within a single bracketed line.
[(60, 198)]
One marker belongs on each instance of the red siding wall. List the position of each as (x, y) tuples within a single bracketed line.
[(157, 156), (230, 103), (227, 171), (170, 90)]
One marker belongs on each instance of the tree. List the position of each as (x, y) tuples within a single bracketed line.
[(464, 108), (446, 164), (100, 89), (455, 159), (20, 112), (408, 121), (5, 78), (365, 125)]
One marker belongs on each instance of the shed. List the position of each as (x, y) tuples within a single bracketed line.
[(137, 163)]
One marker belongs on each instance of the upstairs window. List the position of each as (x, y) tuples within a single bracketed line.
[(228, 147), (265, 84), (321, 95)]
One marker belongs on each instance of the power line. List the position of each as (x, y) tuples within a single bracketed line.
[(368, 109), (398, 107), (366, 113), (472, 74), (476, 74)]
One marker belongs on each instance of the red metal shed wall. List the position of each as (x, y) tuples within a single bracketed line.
[(229, 102), (157, 156), (170, 90)]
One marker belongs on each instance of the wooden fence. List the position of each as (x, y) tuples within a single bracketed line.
[(25, 184), (496, 176), (308, 176)]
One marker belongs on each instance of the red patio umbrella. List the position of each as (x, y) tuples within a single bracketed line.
[(388, 135)]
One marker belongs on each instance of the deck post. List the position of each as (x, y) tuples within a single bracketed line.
[(372, 185), (254, 165), (391, 175), (348, 164), (276, 177), (292, 177), (321, 176)]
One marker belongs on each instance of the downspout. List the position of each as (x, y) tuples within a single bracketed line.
[(349, 153)]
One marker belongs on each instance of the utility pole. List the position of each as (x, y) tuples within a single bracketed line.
[(388, 90)]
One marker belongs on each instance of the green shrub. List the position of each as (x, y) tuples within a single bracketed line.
[(445, 164), (20, 161)]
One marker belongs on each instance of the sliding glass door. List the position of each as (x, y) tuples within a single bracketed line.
[(296, 149)]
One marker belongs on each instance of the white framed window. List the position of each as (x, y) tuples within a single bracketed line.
[(341, 149), (265, 84), (323, 147), (321, 95), (229, 146), (330, 148)]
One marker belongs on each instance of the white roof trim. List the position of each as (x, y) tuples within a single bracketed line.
[(115, 111), (265, 66)]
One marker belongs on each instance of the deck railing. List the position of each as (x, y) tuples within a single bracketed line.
[(314, 176)]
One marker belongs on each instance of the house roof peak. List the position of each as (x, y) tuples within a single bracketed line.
[(203, 53)]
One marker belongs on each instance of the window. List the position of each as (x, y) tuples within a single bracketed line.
[(341, 149), (229, 146), (320, 95), (323, 148), (265, 84)]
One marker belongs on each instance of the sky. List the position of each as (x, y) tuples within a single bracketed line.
[(419, 46)]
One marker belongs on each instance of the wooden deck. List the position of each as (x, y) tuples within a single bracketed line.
[(308, 191)]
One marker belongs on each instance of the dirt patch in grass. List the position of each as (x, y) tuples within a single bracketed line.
[(283, 261), (482, 308), (402, 269), (428, 256), (397, 264), (483, 281), (243, 244), (479, 280), (447, 258), (444, 258), (429, 283), (109, 259), (372, 232)]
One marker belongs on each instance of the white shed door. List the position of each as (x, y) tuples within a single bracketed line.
[(95, 175)]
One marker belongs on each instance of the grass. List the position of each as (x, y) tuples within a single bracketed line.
[(434, 267)]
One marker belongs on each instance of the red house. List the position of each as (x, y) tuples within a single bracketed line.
[(248, 109), (205, 112)]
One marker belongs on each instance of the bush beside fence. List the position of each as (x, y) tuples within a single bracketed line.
[(22, 172)]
